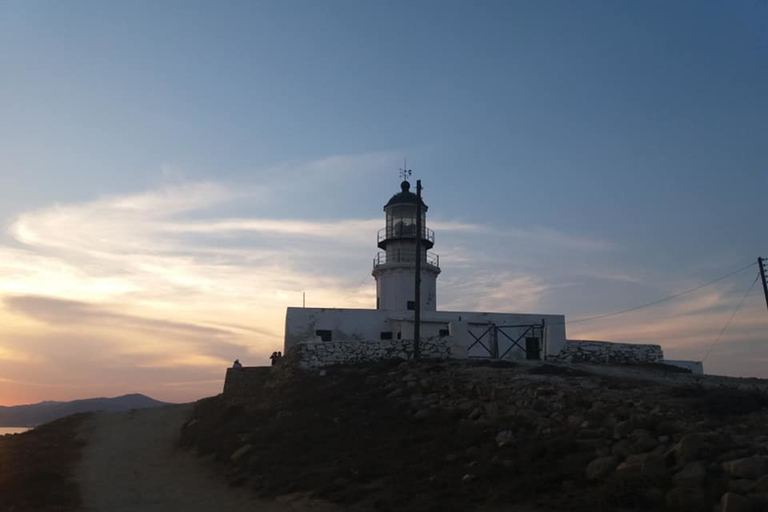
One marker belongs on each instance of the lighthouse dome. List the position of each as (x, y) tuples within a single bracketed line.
[(405, 196)]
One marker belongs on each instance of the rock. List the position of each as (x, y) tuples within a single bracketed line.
[(423, 414), (689, 448), (622, 429), (642, 441), (732, 502), (687, 499), (505, 437), (741, 486), (476, 413), (654, 468), (241, 452), (601, 467), (396, 393), (749, 467), (621, 449), (692, 475), (468, 478), (761, 486)]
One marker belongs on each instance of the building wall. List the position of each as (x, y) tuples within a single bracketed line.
[(696, 367), (394, 287), (367, 325), (319, 354), (602, 352)]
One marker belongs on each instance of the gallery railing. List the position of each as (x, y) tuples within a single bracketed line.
[(404, 256)]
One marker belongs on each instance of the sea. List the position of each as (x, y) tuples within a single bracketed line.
[(13, 430)]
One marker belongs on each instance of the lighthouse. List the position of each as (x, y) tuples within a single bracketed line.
[(395, 267)]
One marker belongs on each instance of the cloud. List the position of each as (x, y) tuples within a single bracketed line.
[(164, 287)]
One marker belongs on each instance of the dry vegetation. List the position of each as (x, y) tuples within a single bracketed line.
[(36, 467)]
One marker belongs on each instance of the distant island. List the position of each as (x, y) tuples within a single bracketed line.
[(37, 414)]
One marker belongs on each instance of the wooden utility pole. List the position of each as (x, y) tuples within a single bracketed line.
[(417, 301), (761, 264)]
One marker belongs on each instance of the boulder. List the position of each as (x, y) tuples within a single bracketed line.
[(749, 467), (689, 448), (692, 475), (688, 499), (601, 467), (732, 502), (505, 437), (741, 486), (241, 452), (761, 486)]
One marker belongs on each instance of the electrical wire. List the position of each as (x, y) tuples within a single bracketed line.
[(590, 318), (719, 336)]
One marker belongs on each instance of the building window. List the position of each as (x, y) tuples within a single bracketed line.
[(325, 335), (411, 305), (444, 332), (399, 335), (386, 335)]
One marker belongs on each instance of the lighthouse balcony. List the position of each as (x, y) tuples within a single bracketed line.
[(405, 256), (405, 231)]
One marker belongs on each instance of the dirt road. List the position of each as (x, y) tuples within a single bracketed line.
[(130, 463)]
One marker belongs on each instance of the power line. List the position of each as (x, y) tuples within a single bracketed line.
[(589, 319), (719, 336)]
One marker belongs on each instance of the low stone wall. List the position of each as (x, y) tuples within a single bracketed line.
[(245, 384), (695, 367), (603, 352), (326, 353)]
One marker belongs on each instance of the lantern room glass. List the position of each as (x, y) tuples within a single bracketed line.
[(401, 221)]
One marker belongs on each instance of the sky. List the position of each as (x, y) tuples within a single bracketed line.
[(174, 174)]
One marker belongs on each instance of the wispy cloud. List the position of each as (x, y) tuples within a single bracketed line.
[(154, 289)]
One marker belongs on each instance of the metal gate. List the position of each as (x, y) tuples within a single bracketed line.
[(496, 341)]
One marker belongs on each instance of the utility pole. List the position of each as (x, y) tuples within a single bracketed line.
[(761, 264), (417, 301)]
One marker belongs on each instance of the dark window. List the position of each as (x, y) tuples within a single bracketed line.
[(411, 305), (444, 332), (324, 334), (399, 335), (386, 335)]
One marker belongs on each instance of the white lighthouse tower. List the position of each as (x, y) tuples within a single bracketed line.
[(395, 268)]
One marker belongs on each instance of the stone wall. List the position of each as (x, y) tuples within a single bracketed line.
[(319, 354), (603, 352), (245, 384)]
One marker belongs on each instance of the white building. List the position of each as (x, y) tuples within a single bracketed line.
[(468, 333)]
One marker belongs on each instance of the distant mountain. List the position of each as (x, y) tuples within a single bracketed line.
[(36, 414)]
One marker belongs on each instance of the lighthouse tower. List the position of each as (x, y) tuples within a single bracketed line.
[(395, 268)]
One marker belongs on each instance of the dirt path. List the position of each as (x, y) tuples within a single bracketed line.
[(130, 463)]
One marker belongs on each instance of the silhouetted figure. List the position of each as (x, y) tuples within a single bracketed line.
[(279, 356), (237, 364), (274, 358)]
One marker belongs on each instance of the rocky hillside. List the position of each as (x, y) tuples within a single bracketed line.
[(468, 436)]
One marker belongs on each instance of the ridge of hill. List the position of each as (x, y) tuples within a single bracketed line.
[(463, 435), (36, 414)]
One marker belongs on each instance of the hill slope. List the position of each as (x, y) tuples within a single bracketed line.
[(460, 436), (43, 412)]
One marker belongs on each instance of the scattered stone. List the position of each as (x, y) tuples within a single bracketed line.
[(732, 502), (601, 467), (468, 478)]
